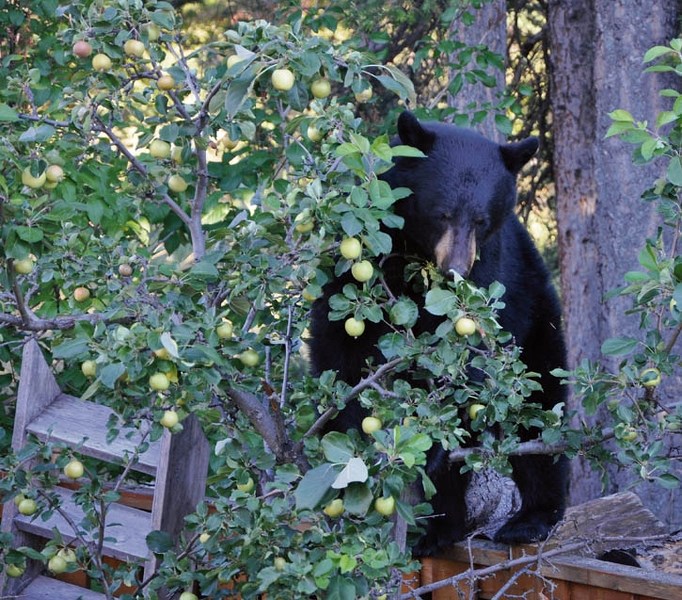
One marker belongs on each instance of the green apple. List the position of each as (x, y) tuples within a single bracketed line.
[(176, 154), (629, 434), (283, 79), (152, 31), (650, 377), (364, 95), (280, 563), (169, 419), (89, 368), (160, 149), (225, 330), (54, 173), (74, 469), (371, 424), (31, 181), (249, 358), (314, 134), (321, 88), (165, 83), (56, 565), (350, 248), (188, 596), (247, 486), (362, 271), (125, 270), (18, 498), (14, 571), (474, 409), (233, 59), (159, 382), (68, 555), (334, 509), (82, 49), (204, 537), (385, 506), (81, 294), (27, 507), (354, 327), (465, 326), (133, 48), (177, 184), (101, 63), (23, 266)]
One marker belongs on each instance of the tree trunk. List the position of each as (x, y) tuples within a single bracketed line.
[(596, 66)]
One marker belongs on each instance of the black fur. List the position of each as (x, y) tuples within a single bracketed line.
[(466, 184)]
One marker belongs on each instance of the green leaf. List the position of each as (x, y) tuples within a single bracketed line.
[(355, 471), (159, 541), (440, 302), (621, 115), (404, 312), (409, 151), (656, 52), (70, 348), (110, 374), (314, 485), (340, 588), (8, 114), (358, 498), (169, 344), (41, 133), (618, 346), (237, 93), (675, 171), (29, 234), (337, 447)]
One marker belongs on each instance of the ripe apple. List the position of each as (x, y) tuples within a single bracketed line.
[(89, 368), (101, 63), (364, 95), (14, 571), (227, 142), (371, 424), (650, 377), (321, 88), (280, 563), (176, 154), (225, 330), (233, 59), (133, 48), (188, 596), (159, 382), (165, 83), (249, 357), (314, 134), (334, 509), (362, 271), (82, 49), (204, 537), (474, 409), (160, 149), (31, 181), (18, 498), (246, 487), (283, 79), (125, 270), (465, 326), (54, 173), (152, 31), (354, 327), (27, 507), (162, 353), (629, 434), (305, 226), (68, 555), (350, 248), (308, 294), (169, 419), (81, 294), (74, 469), (385, 506), (177, 184), (23, 266), (56, 565)]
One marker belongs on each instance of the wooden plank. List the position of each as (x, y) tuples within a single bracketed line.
[(127, 527), (82, 424), (46, 588)]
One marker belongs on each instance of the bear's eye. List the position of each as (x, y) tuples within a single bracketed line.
[(479, 222)]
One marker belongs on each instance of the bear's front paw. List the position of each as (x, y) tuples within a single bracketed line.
[(526, 528)]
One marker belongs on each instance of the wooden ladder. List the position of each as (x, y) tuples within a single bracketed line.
[(178, 462)]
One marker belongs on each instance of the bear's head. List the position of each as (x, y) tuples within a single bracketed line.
[(462, 190)]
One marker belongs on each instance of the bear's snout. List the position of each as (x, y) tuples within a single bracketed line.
[(456, 251)]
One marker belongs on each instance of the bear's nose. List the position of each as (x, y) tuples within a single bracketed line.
[(456, 250)]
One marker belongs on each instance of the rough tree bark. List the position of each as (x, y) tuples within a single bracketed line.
[(596, 67)]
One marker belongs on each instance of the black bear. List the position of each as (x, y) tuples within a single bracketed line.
[(460, 216)]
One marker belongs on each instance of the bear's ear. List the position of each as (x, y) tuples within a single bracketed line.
[(412, 133), (519, 153)]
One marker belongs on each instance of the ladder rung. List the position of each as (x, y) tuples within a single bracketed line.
[(127, 526), (47, 588), (71, 420)]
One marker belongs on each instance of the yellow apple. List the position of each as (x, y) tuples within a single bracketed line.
[(227, 142), (14, 571), (314, 134), (152, 31), (133, 48), (27, 507), (56, 565), (89, 368), (246, 487), (177, 184), (225, 330), (350, 248), (233, 59), (23, 266), (334, 509), (474, 409), (362, 271), (125, 270), (31, 181), (176, 154), (159, 382), (68, 555), (18, 499), (81, 294), (74, 469), (280, 563), (283, 79), (162, 354), (321, 88), (188, 596), (465, 326), (249, 358), (371, 424), (204, 537), (169, 419), (165, 83), (101, 63), (650, 377), (629, 434), (354, 327), (82, 49), (364, 95), (54, 173), (160, 149), (385, 506)]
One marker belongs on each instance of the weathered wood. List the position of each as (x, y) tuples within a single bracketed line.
[(46, 588), (82, 424), (126, 528)]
